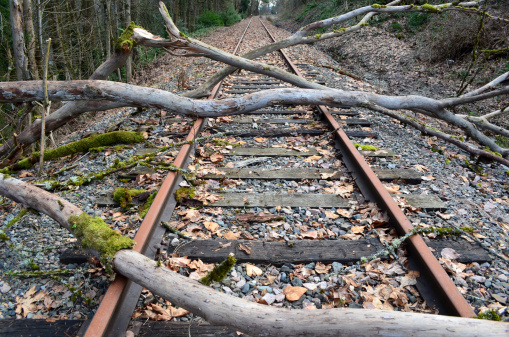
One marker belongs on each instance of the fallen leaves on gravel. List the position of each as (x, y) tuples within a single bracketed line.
[(217, 157), (294, 293), (26, 304), (253, 270)]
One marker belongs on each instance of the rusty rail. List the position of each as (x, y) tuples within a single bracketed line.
[(114, 313), (372, 187)]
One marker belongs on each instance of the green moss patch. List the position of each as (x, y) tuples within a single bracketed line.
[(16, 218), (491, 315), (124, 41), (366, 147), (184, 193), (124, 196), (220, 271), (82, 145), (144, 210), (94, 233)]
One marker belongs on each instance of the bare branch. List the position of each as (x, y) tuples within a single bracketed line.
[(150, 97)]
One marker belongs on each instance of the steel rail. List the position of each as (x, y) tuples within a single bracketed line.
[(114, 313), (455, 303)]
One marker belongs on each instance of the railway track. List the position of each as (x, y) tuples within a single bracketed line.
[(291, 194)]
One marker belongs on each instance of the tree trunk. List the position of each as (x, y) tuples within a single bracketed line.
[(18, 41), (30, 38), (261, 320), (128, 64)]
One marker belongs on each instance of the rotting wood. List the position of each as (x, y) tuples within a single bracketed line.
[(283, 199), (278, 253)]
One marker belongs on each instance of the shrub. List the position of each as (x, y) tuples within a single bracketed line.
[(229, 16), (209, 19)]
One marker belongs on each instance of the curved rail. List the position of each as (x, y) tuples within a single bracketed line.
[(114, 313), (372, 187)]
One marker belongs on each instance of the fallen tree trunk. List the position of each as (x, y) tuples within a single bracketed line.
[(253, 318), (261, 320), (150, 97)]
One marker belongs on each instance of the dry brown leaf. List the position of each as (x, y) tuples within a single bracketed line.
[(231, 235), (260, 140), (211, 226), (217, 157), (24, 174), (192, 215), (253, 270), (320, 268), (294, 293), (358, 229), (449, 253), (310, 235), (331, 215), (311, 159), (246, 249), (392, 189), (179, 261), (344, 213)]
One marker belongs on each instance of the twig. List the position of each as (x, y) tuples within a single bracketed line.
[(175, 231), (47, 105)]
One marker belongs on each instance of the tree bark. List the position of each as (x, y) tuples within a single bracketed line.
[(261, 320), (30, 38), (18, 41), (253, 318), (128, 64), (161, 99)]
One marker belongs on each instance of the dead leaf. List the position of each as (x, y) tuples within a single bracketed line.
[(310, 235), (231, 235), (253, 270), (421, 168), (331, 215), (320, 268), (211, 226), (392, 189), (294, 293), (260, 140), (449, 253), (246, 249), (311, 159), (192, 215), (24, 174), (344, 213), (358, 229), (217, 157), (428, 178)]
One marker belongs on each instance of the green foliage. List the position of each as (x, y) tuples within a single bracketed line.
[(416, 21), (94, 233), (230, 16), (124, 196), (502, 141), (144, 210), (366, 147), (5, 41), (491, 315), (209, 19), (185, 193), (395, 26), (220, 271)]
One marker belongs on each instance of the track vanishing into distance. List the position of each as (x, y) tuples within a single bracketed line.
[(293, 176)]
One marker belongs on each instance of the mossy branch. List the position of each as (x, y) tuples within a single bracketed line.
[(175, 231), (82, 145), (396, 243), (94, 233), (220, 271)]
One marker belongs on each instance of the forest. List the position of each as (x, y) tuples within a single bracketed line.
[(438, 69)]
